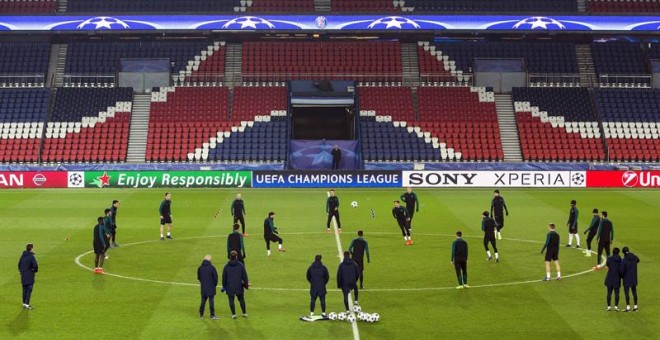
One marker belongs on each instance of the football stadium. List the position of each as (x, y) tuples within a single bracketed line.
[(375, 169)]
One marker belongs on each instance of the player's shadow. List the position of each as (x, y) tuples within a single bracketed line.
[(20, 324)]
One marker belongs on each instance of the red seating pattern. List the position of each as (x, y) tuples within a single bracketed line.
[(31, 6), (624, 6), (104, 142), (540, 141), (278, 61), (466, 121), (288, 6), (19, 150), (362, 6), (634, 150), (392, 101), (188, 117), (429, 64), (251, 101)]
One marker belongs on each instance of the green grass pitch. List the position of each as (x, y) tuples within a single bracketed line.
[(410, 287)]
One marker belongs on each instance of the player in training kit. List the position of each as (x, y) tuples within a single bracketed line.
[(235, 243), (238, 211), (401, 215), (488, 226), (359, 246), (318, 277), (592, 230), (459, 257), (412, 203), (552, 253), (347, 276), (100, 239), (605, 237), (166, 216), (497, 210), (113, 227), (332, 208), (573, 224), (107, 229), (271, 233), (629, 274), (613, 279)]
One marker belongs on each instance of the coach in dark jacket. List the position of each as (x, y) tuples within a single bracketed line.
[(318, 277), (629, 273), (234, 280), (347, 276), (613, 279), (27, 266), (208, 278)]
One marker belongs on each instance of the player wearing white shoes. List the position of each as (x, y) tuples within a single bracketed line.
[(488, 226), (605, 237), (552, 253), (332, 209), (592, 230), (573, 224), (271, 233), (629, 274), (459, 258), (497, 210), (613, 279), (165, 211)]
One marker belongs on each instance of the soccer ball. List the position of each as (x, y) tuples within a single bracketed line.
[(341, 316), (369, 318), (350, 318), (357, 308), (354, 204), (332, 316), (376, 317)]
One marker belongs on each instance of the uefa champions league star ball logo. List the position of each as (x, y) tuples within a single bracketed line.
[(248, 22), (97, 23), (539, 23), (393, 22), (321, 22), (577, 178)]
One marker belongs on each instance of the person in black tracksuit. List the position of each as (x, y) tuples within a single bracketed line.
[(332, 209), (234, 281), (412, 203), (207, 276), (99, 243), (271, 233), (497, 209), (400, 214), (552, 254), (336, 157), (358, 247), (235, 243), (238, 212), (318, 277), (113, 227), (613, 279), (28, 268), (592, 230), (107, 229), (347, 276), (488, 226), (572, 224), (165, 211), (629, 274), (604, 236), (459, 258)]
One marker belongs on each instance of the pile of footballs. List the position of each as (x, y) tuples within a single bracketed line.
[(357, 314)]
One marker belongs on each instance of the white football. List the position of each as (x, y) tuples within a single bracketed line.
[(354, 204), (332, 316), (350, 318), (341, 316), (369, 318), (357, 308), (376, 317), (361, 316)]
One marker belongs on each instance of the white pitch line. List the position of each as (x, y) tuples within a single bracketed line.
[(340, 252), (374, 290)]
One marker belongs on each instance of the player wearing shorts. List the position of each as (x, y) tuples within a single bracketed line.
[(271, 233), (166, 216), (572, 224), (401, 215), (551, 248)]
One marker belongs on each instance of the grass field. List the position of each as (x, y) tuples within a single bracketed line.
[(412, 288)]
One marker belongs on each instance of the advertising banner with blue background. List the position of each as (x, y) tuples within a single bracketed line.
[(315, 154), (83, 23), (326, 179)]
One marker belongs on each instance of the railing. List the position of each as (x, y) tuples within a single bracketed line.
[(22, 80), (87, 80), (198, 79), (625, 80), (444, 79), (374, 78), (553, 79)]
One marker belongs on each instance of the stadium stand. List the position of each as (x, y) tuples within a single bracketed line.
[(631, 120), (363, 61), (624, 6), (31, 6), (28, 57), (618, 58), (283, 6), (88, 125), (182, 119), (532, 6), (22, 116), (557, 124), (127, 6), (362, 6)]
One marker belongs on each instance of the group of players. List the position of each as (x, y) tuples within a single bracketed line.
[(105, 233)]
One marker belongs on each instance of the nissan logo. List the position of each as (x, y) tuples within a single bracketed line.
[(39, 180)]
